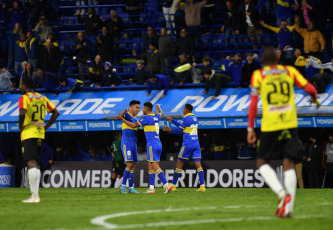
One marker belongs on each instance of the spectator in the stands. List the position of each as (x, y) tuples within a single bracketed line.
[(20, 51), (217, 80), (47, 156), (284, 34), (314, 42), (110, 77), (149, 38), (306, 13), (308, 69), (133, 9), (70, 85), (39, 8), (250, 22), (32, 48), (29, 71), (234, 68), (21, 69), (185, 76), (283, 11), (16, 14), (291, 60), (249, 67), (96, 68), (105, 45), (208, 63), (157, 81), (43, 30), (82, 55), (49, 58), (314, 159), (114, 24), (167, 48), (5, 78), (52, 38), (91, 22), (231, 24), (168, 12), (192, 16), (45, 79), (83, 3), (329, 161), (154, 60), (186, 43), (142, 74), (179, 18), (13, 36)]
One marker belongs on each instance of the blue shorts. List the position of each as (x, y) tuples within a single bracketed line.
[(154, 152), (130, 153), (188, 151)]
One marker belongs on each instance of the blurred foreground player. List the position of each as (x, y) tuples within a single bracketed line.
[(191, 146), (33, 107), (279, 138)]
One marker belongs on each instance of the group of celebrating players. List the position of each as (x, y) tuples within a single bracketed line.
[(279, 138)]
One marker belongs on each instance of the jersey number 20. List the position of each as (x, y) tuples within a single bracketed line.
[(39, 112)]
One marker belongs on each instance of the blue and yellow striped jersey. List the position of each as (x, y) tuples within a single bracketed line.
[(189, 126), (151, 127), (129, 134)]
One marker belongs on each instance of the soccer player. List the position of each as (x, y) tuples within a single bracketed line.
[(119, 165), (279, 138), (191, 146), (32, 109), (129, 145), (150, 123)]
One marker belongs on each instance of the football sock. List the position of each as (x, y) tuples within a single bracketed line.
[(113, 182), (178, 172), (201, 176), (271, 179), (32, 180), (125, 176), (161, 176), (151, 179), (131, 179), (37, 182), (290, 182)]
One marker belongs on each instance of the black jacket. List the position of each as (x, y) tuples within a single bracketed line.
[(247, 71), (218, 80), (166, 46), (105, 49), (320, 81), (186, 45), (142, 76), (110, 78), (49, 60), (111, 24), (89, 24), (155, 62), (83, 54), (147, 40), (254, 17), (316, 154), (232, 18)]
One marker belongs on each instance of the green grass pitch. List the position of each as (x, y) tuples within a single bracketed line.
[(185, 209)]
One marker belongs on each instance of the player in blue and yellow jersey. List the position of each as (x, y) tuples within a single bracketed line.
[(191, 146), (129, 145), (279, 139), (150, 123), (33, 108)]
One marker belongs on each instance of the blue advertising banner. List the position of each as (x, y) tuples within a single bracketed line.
[(83, 106)]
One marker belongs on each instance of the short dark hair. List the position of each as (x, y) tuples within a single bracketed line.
[(149, 105), (152, 76), (269, 55), (28, 82), (208, 71), (134, 102), (189, 107), (207, 59), (284, 20)]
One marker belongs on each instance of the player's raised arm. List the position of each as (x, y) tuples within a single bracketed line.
[(159, 110), (55, 115), (123, 112)]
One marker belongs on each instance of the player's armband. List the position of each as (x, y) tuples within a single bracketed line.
[(254, 91)]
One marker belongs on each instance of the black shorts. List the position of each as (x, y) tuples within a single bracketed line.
[(32, 149), (278, 145), (119, 167)]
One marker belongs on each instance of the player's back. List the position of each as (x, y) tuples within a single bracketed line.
[(129, 134), (151, 128), (36, 106), (190, 132), (276, 87)]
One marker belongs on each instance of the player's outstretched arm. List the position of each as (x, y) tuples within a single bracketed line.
[(159, 110), (21, 118), (55, 115), (123, 112), (130, 124)]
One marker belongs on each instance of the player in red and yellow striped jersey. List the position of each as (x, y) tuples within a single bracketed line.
[(279, 139), (33, 107)]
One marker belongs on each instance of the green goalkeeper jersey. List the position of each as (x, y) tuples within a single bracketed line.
[(116, 148)]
